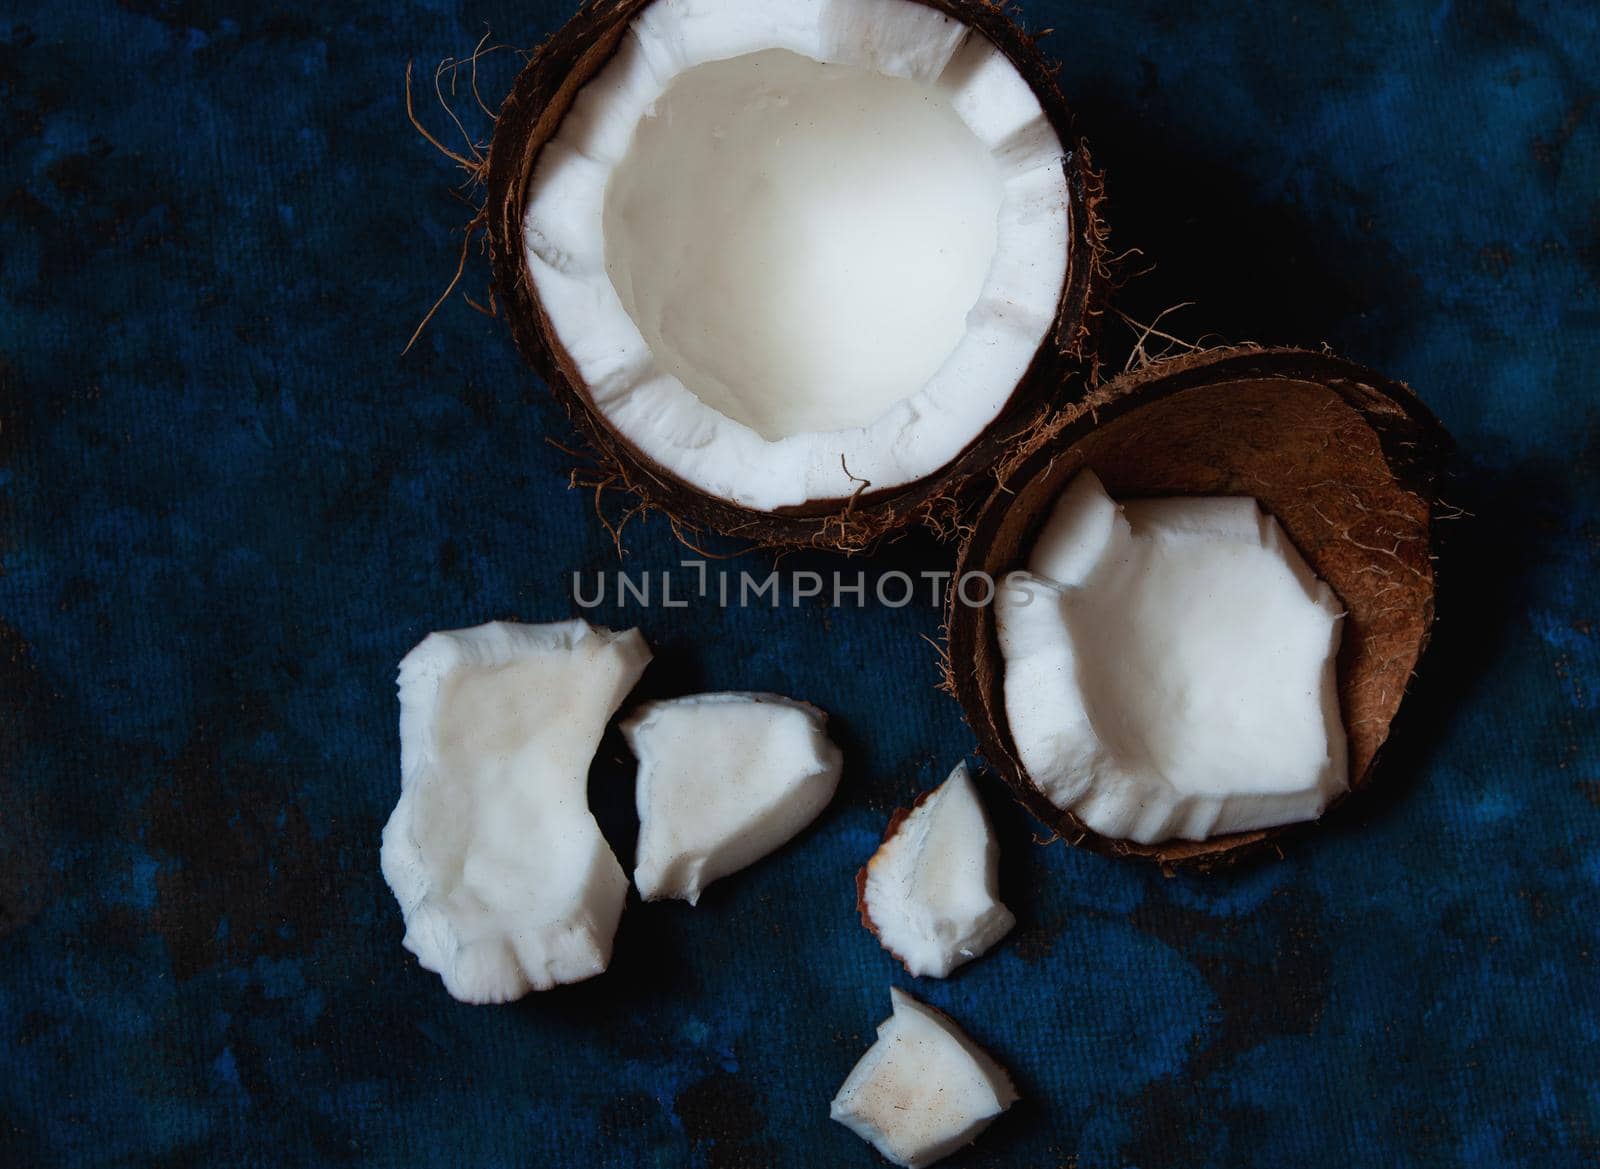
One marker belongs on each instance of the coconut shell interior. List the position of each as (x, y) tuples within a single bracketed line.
[(1343, 458), (531, 116)]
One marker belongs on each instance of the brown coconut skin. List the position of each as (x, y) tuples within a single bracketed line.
[(1345, 459), (531, 116)]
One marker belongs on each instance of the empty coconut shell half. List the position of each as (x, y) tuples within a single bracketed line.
[(800, 271), (1344, 460)]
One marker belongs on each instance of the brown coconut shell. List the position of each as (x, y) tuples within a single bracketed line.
[(1345, 459), (531, 116)]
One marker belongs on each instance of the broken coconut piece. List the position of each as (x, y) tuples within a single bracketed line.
[(931, 892), (1170, 668), (924, 1089), (724, 779), (503, 877), (786, 259)]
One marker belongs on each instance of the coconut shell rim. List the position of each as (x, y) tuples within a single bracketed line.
[(550, 81), (1417, 462)]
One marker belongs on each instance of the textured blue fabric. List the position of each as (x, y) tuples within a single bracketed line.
[(228, 507)]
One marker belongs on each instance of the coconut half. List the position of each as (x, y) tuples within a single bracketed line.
[(924, 1089), (798, 268), (724, 780), (502, 875), (1344, 462), (931, 893)]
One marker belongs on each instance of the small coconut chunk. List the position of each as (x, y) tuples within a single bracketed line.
[(931, 891), (724, 779), (503, 877), (1170, 668), (924, 1089)]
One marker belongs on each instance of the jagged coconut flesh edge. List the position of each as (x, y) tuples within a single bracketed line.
[(724, 780), (564, 240), (932, 888), (1105, 730), (504, 880), (924, 1089)]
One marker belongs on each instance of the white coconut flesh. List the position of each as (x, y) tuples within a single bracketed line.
[(1170, 668), (502, 875), (724, 780), (932, 888), (924, 1089), (792, 246)]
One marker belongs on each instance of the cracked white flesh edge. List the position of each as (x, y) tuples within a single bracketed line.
[(1170, 668)]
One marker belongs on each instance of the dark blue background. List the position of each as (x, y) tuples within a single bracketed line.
[(228, 507)]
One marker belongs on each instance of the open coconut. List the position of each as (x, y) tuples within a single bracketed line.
[(799, 270), (1342, 463)]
